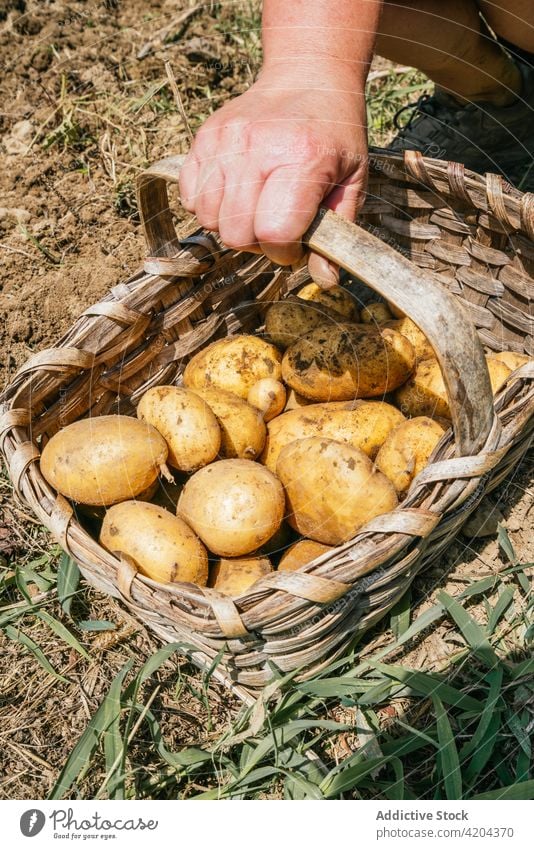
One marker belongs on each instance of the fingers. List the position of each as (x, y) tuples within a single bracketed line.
[(286, 207), (238, 207), (345, 199)]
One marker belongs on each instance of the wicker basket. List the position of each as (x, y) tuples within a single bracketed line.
[(452, 249)]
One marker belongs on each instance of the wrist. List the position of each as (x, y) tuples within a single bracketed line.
[(314, 71)]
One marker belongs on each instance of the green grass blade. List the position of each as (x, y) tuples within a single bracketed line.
[(347, 779), (68, 578), (484, 751), (23, 639), (471, 630), (521, 791), (86, 745), (525, 668), (400, 615), (96, 625), (447, 753), (113, 743), (506, 545), (63, 633), (429, 685), (494, 677), (503, 603)]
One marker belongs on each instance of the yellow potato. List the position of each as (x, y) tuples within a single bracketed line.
[(376, 313), (286, 321), (498, 372), (242, 429), (405, 326), (407, 450), (186, 423), (235, 364), (362, 424), (348, 361), (104, 460), (511, 359), (300, 553), (332, 490), (424, 394), (336, 298), (235, 576), (95, 512), (295, 401), (162, 546), (268, 396), (234, 506)]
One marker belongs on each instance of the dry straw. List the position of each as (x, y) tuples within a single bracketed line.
[(452, 249)]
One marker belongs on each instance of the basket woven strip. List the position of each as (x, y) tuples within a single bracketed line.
[(423, 221)]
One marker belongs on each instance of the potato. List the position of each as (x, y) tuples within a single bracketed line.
[(406, 327), (295, 401), (511, 359), (242, 429), (407, 450), (96, 512), (235, 364), (300, 553), (161, 545), (268, 396), (375, 313), (286, 321), (362, 424), (336, 298), (103, 460), (425, 395), (234, 506), (498, 372), (186, 423), (332, 489), (348, 361), (235, 576)]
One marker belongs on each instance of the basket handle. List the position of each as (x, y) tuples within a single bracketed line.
[(417, 293)]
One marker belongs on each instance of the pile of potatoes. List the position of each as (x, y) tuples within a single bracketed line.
[(286, 443)]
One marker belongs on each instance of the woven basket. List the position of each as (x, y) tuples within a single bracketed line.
[(452, 249)]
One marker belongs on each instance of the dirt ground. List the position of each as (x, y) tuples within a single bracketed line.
[(85, 106)]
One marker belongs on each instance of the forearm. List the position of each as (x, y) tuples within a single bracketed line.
[(311, 35)]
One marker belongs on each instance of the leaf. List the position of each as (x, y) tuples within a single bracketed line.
[(86, 745), (484, 750), (113, 744), (447, 753), (523, 790), (63, 633), (522, 669), (471, 630), (520, 733), (350, 777), (68, 578), (429, 685), (23, 639), (494, 677), (506, 545), (400, 615), (96, 625), (503, 602)]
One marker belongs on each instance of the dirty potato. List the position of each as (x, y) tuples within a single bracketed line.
[(235, 576), (407, 449), (235, 364), (186, 423), (348, 361), (242, 429), (332, 489), (161, 545)]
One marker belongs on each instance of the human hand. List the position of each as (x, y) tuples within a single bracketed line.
[(260, 166)]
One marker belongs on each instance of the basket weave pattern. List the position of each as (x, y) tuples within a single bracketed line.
[(475, 233)]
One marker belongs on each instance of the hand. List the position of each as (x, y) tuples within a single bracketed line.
[(261, 165)]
